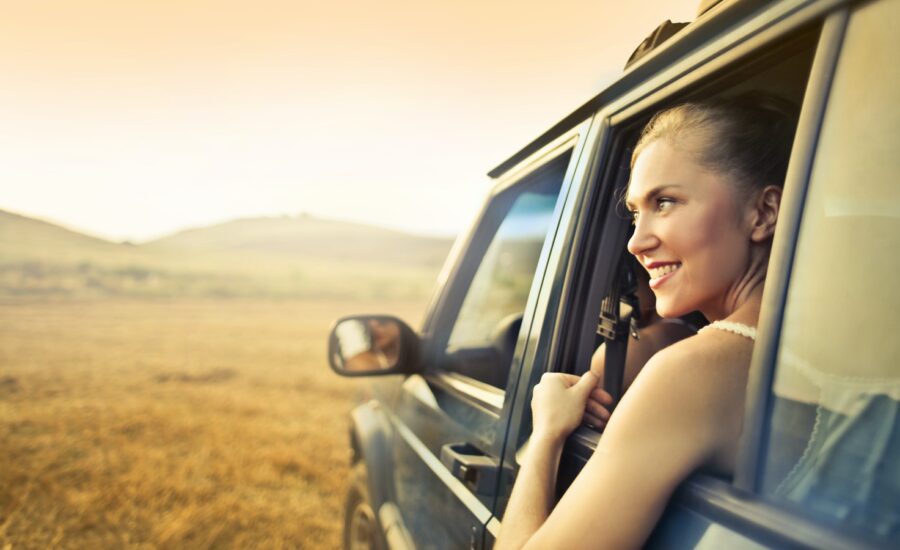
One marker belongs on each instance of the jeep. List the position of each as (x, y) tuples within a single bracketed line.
[(537, 284)]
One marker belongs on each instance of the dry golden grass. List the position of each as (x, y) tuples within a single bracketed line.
[(173, 424)]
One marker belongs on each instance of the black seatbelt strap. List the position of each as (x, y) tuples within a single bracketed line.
[(617, 322)]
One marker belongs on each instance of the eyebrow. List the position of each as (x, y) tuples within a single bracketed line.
[(650, 195)]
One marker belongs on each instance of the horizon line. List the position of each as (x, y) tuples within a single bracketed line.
[(298, 215)]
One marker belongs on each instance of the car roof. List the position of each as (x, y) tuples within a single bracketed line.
[(715, 18)]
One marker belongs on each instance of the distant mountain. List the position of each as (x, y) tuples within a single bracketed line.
[(297, 256), (24, 238), (307, 237)]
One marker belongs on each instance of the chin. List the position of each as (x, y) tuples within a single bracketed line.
[(668, 310)]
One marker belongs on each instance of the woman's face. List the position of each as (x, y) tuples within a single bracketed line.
[(688, 232)]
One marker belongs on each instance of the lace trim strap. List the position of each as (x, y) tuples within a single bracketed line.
[(730, 326)]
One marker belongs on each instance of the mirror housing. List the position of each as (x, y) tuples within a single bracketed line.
[(373, 345)]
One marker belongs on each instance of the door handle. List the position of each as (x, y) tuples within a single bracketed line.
[(475, 469)]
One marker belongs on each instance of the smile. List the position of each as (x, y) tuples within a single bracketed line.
[(661, 273)]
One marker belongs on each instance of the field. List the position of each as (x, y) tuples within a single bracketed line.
[(173, 423)]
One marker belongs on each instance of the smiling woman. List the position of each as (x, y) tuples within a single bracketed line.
[(705, 191), (686, 218)]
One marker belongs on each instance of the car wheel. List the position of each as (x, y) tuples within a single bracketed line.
[(360, 526)]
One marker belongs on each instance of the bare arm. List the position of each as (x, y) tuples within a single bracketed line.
[(684, 410), (532, 497)]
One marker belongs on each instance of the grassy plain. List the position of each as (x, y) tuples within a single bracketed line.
[(174, 423)]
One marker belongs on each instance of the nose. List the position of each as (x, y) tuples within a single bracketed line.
[(643, 239)]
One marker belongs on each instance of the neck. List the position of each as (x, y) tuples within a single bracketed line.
[(743, 300), (648, 317)]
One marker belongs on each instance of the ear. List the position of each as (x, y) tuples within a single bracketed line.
[(765, 213)]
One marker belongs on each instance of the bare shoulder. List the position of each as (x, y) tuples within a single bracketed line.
[(695, 388), (709, 369), (704, 355), (666, 333)]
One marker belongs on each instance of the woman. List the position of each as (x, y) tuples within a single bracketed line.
[(705, 191)]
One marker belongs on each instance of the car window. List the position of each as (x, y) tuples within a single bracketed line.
[(503, 279), (834, 442), (485, 331)]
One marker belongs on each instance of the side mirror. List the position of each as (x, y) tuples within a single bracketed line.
[(372, 345)]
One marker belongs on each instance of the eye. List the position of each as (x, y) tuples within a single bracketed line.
[(664, 203), (633, 215)]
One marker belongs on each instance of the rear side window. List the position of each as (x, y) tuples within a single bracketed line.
[(501, 284), (515, 230), (834, 441)]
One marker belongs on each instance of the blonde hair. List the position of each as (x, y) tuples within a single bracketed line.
[(749, 137)]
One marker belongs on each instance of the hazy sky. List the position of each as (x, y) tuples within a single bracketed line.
[(129, 120)]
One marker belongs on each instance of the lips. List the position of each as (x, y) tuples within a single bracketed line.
[(660, 272)]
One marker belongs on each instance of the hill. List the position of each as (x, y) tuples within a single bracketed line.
[(23, 239), (307, 237), (261, 257)]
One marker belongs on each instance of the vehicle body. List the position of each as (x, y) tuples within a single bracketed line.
[(435, 447)]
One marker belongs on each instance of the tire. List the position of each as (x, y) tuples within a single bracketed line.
[(361, 528)]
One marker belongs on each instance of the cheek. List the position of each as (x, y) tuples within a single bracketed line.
[(707, 243), (694, 235), (716, 245)]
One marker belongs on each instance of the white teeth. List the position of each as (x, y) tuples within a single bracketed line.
[(657, 272)]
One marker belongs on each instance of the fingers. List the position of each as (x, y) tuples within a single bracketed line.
[(602, 396), (568, 379), (594, 421), (586, 384), (595, 414), (597, 410), (552, 401)]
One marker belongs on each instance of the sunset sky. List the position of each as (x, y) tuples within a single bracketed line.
[(130, 120)]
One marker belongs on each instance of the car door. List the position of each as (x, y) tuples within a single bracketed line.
[(449, 423)]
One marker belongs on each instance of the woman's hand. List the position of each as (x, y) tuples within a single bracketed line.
[(561, 401), (596, 410)]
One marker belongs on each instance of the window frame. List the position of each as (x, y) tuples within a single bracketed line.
[(462, 265), (503, 202), (737, 504)]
